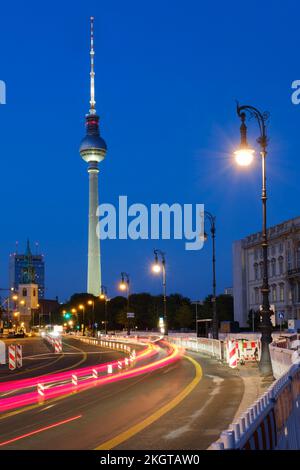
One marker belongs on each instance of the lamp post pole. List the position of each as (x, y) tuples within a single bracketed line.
[(104, 296), (125, 282), (265, 364), (164, 283), (215, 326)]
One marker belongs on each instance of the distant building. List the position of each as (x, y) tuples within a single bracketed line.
[(46, 309), (27, 298), (228, 291), (17, 265), (283, 270)]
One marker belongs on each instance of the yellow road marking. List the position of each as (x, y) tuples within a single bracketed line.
[(124, 436)]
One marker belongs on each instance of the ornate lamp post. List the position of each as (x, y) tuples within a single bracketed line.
[(157, 268), (212, 221), (103, 296), (244, 156), (82, 308), (124, 286)]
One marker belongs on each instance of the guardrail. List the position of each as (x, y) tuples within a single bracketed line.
[(211, 347), (272, 422)]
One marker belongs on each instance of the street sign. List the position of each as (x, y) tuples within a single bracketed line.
[(130, 315), (281, 315)]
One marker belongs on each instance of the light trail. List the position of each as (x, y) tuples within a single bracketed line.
[(174, 354), (5, 387), (37, 431)]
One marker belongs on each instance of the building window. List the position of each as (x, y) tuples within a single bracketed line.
[(24, 292), (274, 293), (255, 255), (298, 256), (280, 247), (289, 260), (281, 292), (273, 269), (273, 250), (256, 295), (280, 264), (34, 293), (256, 271)]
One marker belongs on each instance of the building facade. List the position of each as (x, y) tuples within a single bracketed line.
[(17, 265), (283, 271)]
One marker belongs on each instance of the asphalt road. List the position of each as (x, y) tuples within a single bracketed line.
[(183, 406), (39, 358)]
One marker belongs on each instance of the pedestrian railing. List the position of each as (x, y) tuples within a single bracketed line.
[(272, 422)]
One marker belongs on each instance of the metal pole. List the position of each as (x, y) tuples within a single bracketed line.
[(266, 326), (265, 364), (214, 299), (165, 294)]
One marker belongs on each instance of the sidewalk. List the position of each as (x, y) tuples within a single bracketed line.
[(254, 384)]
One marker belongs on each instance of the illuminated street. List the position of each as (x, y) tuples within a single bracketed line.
[(110, 416)]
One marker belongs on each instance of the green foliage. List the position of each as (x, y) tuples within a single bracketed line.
[(147, 308)]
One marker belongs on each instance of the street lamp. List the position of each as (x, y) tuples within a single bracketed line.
[(92, 304), (243, 157), (157, 268), (124, 286), (82, 307), (212, 221), (103, 296)]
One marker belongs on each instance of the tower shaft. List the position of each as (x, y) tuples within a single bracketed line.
[(94, 259)]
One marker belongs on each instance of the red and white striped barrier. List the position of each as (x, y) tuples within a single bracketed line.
[(19, 358), (95, 374), (120, 365), (41, 390), (12, 359), (232, 354), (56, 342), (57, 345), (109, 369), (74, 380)]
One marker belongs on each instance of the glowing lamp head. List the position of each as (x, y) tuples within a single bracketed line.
[(102, 296), (81, 307), (122, 286), (244, 156), (156, 268)]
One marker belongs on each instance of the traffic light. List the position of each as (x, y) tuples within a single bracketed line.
[(67, 315)]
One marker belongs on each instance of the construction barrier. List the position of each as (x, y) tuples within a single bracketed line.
[(57, 345), (19, 358), (272, 422), (211, 347), (55, 341), (41, 390), (74, 380), (232, 354), (244, 350), (12, 359)]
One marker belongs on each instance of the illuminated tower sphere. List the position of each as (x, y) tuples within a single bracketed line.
[(93, 150)]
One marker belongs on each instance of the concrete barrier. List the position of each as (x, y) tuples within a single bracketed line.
[(282, 359)]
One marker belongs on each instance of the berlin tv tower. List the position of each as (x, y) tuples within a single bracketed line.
[(92, 150)]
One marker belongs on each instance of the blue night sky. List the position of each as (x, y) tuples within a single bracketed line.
[(167, 77)]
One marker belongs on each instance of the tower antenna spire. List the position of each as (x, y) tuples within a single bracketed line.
[(92, 72)]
